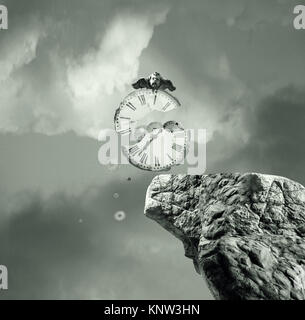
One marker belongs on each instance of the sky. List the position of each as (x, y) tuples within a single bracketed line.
[(64, 68)]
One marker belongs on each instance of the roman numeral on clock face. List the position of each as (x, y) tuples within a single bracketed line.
[(134, 150), (178, 147), (155, 99), (131, 106), (157, 162), (170, 158), (166, 106), (142, 99), (144, 158), (125, 131)]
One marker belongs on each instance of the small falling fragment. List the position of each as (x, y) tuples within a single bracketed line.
[(116, 195), (112, 167), (80, 221), (120, 215), (128, 179)]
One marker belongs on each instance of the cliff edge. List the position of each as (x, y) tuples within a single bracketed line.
[(244, 232)]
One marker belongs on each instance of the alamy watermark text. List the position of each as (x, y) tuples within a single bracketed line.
[(299, 20), (3, 17), (3, 278)]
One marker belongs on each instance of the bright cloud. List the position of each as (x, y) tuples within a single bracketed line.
[(68, 91)]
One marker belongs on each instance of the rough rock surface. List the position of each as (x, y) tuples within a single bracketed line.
[(244, 232)]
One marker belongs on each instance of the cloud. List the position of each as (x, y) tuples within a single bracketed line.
[(51, 85), (276, 138), (111, 68), (81, 59), (70, 247), (19, 49), (116, 61), (248, 15)]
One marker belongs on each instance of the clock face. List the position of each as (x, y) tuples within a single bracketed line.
[(158, 146), (159, 149)]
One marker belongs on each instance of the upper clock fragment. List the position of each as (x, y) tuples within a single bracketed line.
[(161, 145)]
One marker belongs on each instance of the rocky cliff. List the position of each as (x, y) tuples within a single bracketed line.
[(244, 232)]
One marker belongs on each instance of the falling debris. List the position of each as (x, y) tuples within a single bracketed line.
[(120, 215), (112, 167), (116, 195)]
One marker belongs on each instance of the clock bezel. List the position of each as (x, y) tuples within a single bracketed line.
[(137, 93)]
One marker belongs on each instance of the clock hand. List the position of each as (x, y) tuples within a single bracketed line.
[(148, 142), (150, 137)]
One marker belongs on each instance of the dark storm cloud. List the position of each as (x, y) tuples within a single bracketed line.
[(83, 21), (72, 247), (225, 56), (228, 59), (50, 254), (276, 141)]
